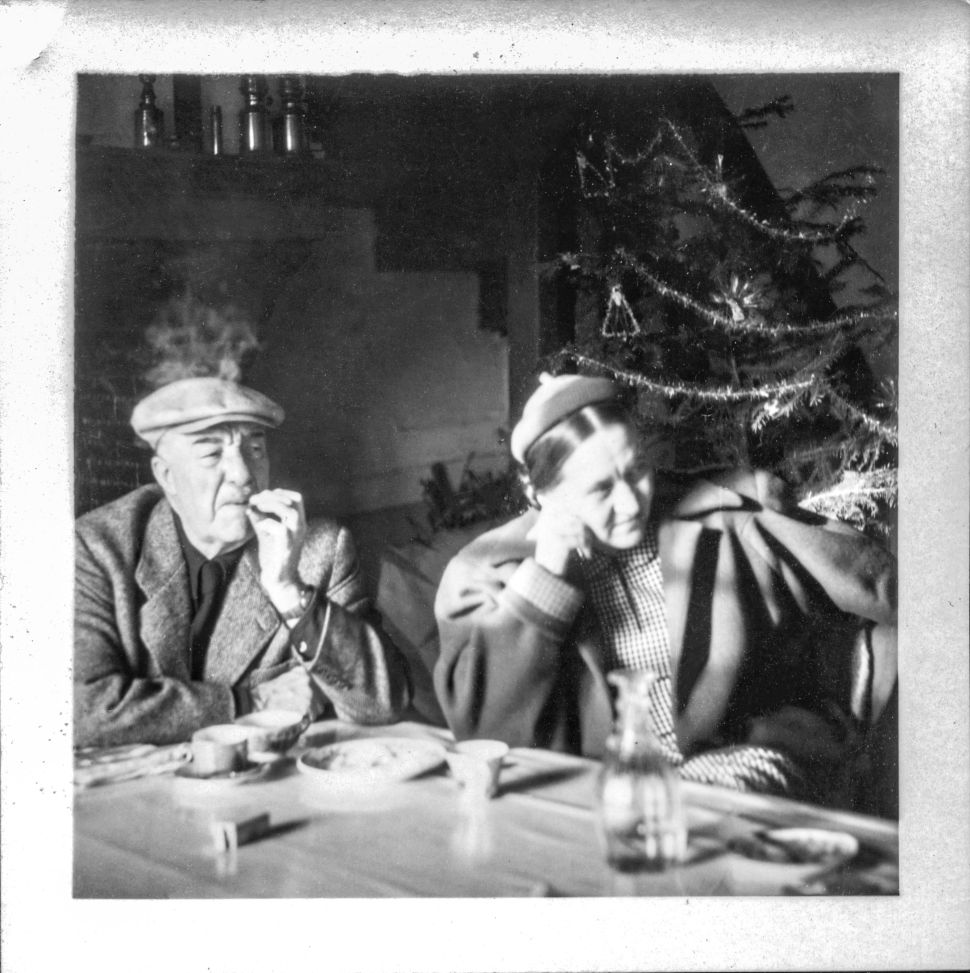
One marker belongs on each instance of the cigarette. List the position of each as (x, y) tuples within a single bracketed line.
[(260, 514)]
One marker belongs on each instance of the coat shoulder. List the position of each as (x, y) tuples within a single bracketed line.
[(731, 492), (503, 543), (121, 524)]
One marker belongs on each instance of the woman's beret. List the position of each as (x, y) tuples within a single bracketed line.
[(554, 400)]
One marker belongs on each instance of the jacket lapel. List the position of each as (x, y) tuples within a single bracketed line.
[(703, 615), (247, 622), (676, 542), (162, 576)]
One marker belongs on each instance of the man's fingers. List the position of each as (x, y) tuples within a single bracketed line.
[(287, 505), (292, 495), (286, 498)]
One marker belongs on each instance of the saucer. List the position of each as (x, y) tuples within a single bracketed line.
[(251, 771)]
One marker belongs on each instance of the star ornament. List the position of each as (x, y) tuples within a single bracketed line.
[(742, 298)]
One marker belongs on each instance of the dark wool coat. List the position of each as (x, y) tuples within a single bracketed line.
[(132, 613), (764, 608)]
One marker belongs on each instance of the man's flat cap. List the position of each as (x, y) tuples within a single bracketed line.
[(194, 404), (554, 400)]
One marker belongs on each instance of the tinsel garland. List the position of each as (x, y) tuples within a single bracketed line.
[(717, 318), (717, 191), (697, 392), (780, 378), (813, 384)]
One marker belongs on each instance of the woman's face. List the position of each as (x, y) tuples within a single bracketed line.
[(607, 486)]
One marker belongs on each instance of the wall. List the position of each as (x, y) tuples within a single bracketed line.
[(372, 324), (381, 375), (381, 372)]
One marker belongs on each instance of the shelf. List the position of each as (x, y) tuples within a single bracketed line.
[(114, 170), (132, 194)]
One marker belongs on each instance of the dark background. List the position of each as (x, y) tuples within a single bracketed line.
[(393, 276)]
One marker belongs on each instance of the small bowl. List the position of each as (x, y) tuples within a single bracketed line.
[(273, 730)]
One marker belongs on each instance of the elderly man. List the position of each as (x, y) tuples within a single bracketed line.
[(207, 595)]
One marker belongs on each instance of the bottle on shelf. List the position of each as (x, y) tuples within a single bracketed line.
[(252, 117), (290, 129), (640, 812), (215, 130), (149, 119)]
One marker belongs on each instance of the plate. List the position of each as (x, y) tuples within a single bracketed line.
[(252, 771), (814, 844), (372, 761)]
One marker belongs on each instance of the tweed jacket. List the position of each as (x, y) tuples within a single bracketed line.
[(132, 614), (763, 603)]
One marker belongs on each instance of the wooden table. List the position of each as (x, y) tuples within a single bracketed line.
[(150, 838)]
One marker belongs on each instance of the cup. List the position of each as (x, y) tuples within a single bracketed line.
[(220, 749), (477, 764), (273, 730)]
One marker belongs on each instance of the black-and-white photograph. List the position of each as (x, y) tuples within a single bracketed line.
[(485, 485), (539, 435)]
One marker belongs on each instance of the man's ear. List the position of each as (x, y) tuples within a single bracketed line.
[(163, 474)]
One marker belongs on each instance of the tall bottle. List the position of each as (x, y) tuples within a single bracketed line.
[(641, 816), (289, 130), (149, 119), (253, 137)]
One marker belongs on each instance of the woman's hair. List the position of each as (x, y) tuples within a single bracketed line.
[(544, 459)]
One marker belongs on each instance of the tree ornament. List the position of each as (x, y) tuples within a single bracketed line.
[(742, 298), (719, 185), (620, 321), (750, 361)]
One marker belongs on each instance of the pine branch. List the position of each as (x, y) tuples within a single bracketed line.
[(850, 411), (824, 451), (717, 191), (856, 495), (833, 187), (758, 117)]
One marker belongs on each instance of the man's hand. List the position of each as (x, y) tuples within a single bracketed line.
[(279, 521), (557, 533), (294, 690)]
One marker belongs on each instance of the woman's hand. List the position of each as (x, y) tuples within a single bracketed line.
[(558, 533)]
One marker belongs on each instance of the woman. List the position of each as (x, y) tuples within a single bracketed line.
[(747, 610)]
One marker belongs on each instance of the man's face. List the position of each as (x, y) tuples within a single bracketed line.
[(208, 477), (606, 484)]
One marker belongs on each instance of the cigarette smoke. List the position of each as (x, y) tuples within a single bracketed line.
[(189, 339)]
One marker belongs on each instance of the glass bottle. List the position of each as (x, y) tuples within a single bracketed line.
[(149, 119), (215, 130), (289, 130), (640, 813), (252, 117)]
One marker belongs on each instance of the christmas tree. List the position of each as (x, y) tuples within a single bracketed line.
[(723, 315)]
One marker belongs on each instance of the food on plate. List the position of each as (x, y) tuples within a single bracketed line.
[(364, 755)]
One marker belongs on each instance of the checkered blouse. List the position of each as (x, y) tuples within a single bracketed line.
[(627, 595)]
